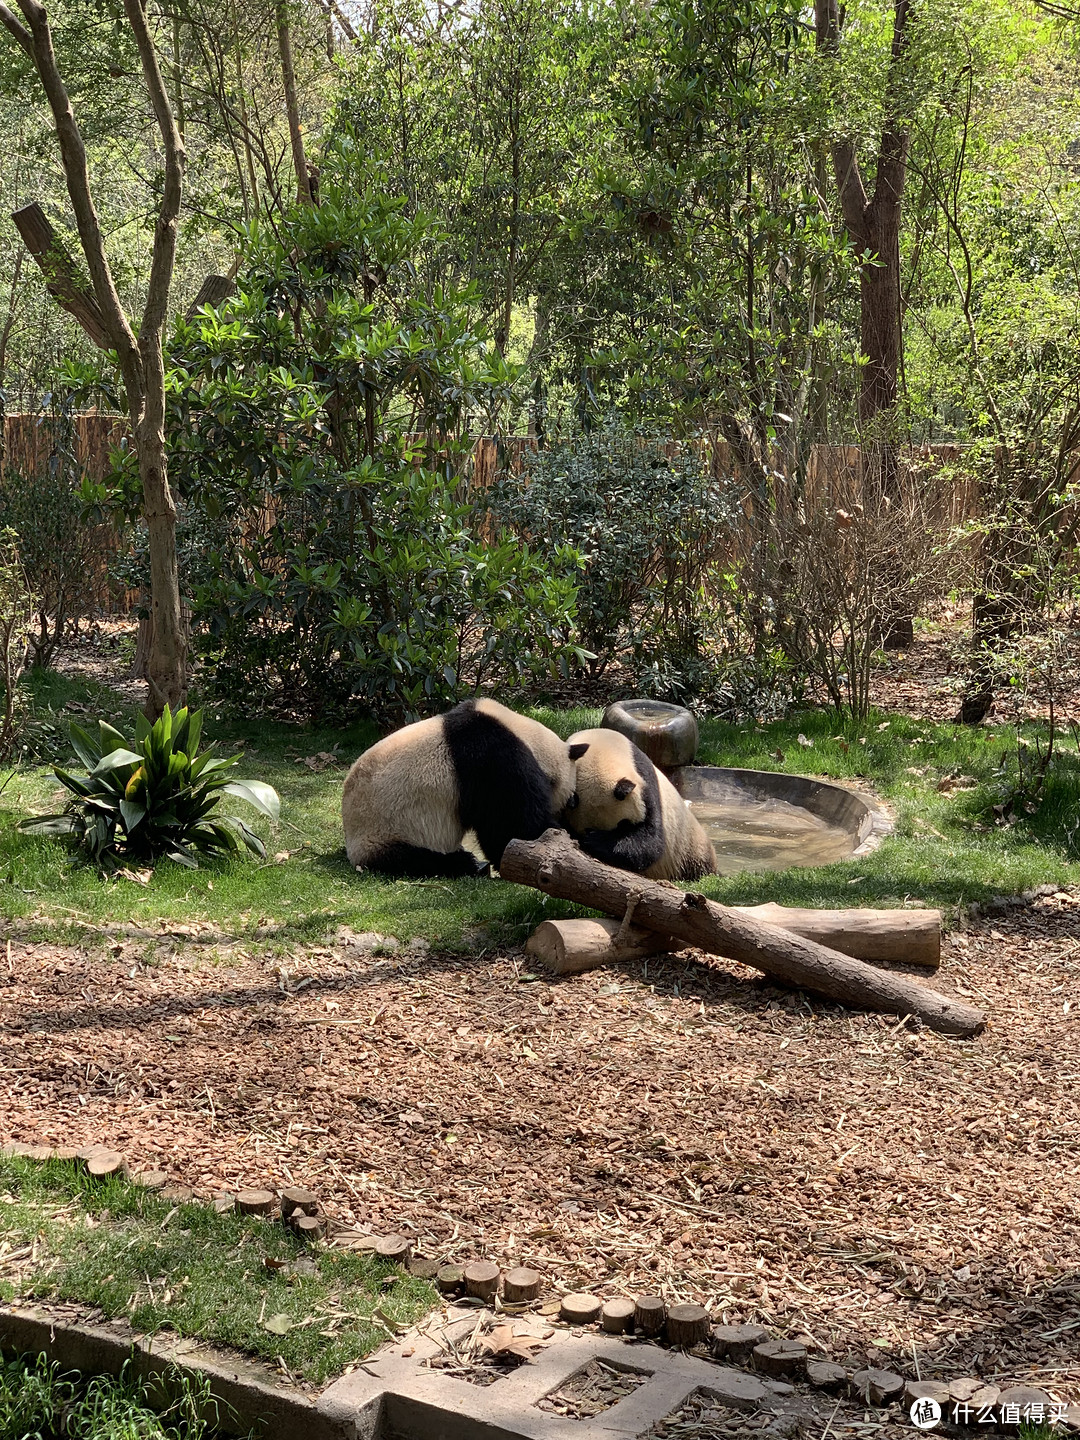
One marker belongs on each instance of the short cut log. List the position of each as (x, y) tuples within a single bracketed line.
[(908, 937), (555, 865)]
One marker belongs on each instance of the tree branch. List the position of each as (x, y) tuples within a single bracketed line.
[(13, 24), (62, 277), (163, 254), (73, 156)]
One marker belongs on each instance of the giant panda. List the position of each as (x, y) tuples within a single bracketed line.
[(628, 814), (410, 799)]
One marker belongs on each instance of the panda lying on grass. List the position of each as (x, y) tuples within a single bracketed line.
[(410, 800)]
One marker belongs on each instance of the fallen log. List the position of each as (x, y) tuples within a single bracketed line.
[(908, 937), (911, 937), (555, 865)]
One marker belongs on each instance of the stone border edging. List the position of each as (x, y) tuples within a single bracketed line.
[(246, 1397)]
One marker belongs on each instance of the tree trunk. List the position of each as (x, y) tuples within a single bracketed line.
[(873, 222), (166, 663), (292, 109), (905, 937)]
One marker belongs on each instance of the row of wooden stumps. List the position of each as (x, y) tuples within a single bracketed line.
[(831, 953)]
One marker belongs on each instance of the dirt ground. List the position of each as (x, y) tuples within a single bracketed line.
[(677, 1124), (889, 1193)]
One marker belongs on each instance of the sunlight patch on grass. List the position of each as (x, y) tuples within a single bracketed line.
[(946, 852), (221, 1278)]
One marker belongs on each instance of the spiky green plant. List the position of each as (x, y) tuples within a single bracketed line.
[(154, 799)]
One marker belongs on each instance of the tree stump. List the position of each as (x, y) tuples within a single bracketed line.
[(297, 1198), (936, 1390), (423, 1268), (395, 1249), (617, 1315), (649, 1314), (482, 1279), (520, 1285), (178, 1194), (879, 1387), (450, 1279), (556, 866), (687, 1325), (580, 1309), (152, 1179), (736, 1342), (103, 1163), (824, 1375), (309, 1227), (962, 1389), (255, 1202), (780, 1358)]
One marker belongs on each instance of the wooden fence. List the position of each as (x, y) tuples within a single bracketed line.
[(834, 473)]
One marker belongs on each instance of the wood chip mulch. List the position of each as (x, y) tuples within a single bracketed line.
[(679, 1126)]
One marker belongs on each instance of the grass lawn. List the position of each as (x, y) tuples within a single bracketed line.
[(39, 1400), (228, 1279), (944, 853)]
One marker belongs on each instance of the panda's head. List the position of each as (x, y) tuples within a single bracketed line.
[(609, 789)]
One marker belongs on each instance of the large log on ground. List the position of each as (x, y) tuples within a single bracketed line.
[(908, 937), (555, 865), (911, 937)]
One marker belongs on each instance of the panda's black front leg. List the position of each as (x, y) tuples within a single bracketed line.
[(629, 847)]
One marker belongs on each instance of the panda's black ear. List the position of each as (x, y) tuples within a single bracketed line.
[(623, 788), (577, 750)]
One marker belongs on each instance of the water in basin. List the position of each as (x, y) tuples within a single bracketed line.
[(768, 834)]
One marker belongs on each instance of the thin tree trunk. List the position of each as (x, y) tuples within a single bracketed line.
[(873, 222), (178, 77), (141, 359), (292, 109)]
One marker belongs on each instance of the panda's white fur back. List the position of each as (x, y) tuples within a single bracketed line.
[(402, 790), (405, 789)]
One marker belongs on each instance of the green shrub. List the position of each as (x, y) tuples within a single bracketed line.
[(155, 799), (645, 524), (58, 548), (318, 424), (16, 606)]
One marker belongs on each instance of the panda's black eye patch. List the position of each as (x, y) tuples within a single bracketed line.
[(623, 788)]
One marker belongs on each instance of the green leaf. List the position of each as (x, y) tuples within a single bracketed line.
[(182, 858), (132, 814), (109, 739), (83, 746), (48, 825), (256, 792), (195, 726), (115, 759)]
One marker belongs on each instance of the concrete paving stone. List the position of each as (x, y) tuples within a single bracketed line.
[(393, 1391)]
